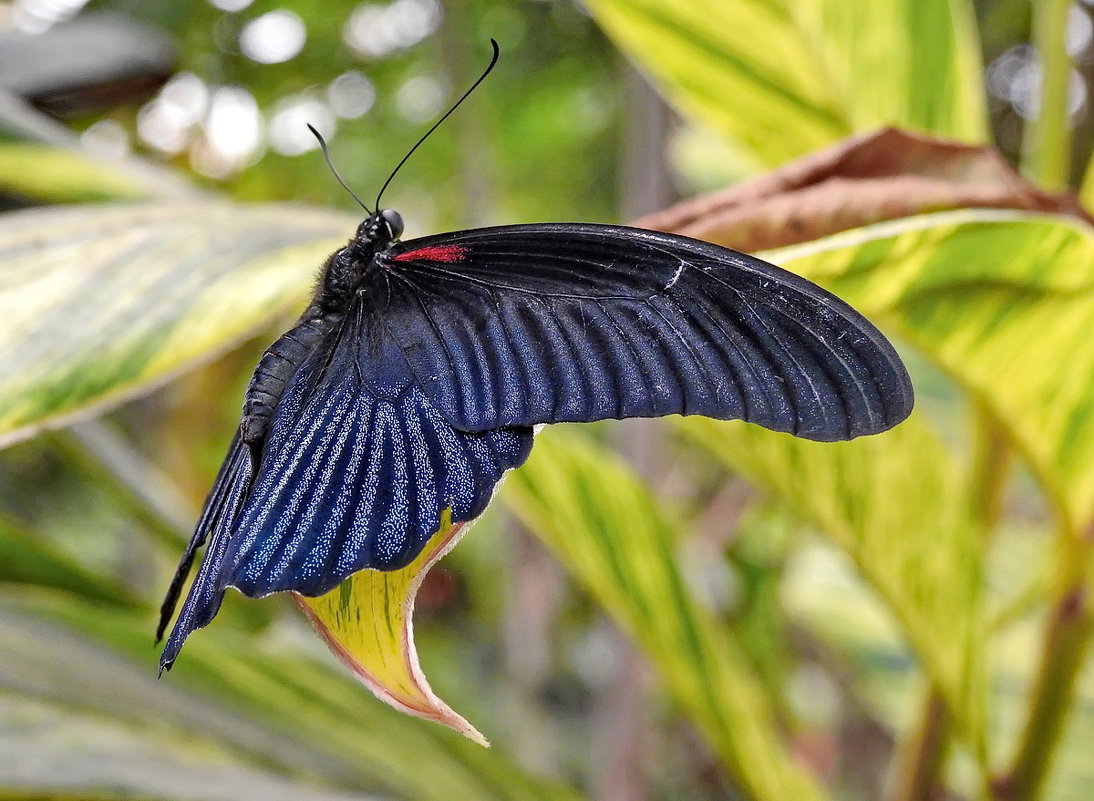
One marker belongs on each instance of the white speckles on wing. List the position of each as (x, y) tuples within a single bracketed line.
[(357, 540), (286, 485), (394, 520), (445, 440), (420, 454), (344, 494), (362, 482)]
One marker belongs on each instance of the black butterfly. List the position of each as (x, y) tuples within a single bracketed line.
[(414, 379)]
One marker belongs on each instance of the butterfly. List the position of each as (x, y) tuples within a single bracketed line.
[(415, 378)]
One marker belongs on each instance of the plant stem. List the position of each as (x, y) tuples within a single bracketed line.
[(535, 589), (923, 756), (1067, 637), (991, 464), (921, 759), (624, 735), (1046, 151)]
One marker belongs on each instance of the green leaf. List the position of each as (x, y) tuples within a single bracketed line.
[(783, 79), (826, 594), (101, 303), (1086, 193), (271, 711), (603, 523), (1004, 303), (911, 63), (68, 754), (896, 504), (823, 593), (25, 559), (1071, 773), (1000, 301), (56, 175)]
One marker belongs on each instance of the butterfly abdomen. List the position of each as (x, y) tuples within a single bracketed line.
[(275, 370)]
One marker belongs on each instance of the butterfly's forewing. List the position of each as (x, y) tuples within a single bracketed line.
[(358, 470), (528, 324)]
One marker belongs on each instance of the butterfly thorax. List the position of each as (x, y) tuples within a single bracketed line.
[(342, 276), (345, 269)]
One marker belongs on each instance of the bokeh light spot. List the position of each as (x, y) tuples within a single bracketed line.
[(375, 31), (38, 16), (273, 38), (1080, 31), (230, 6), (351, 95), (106, 138), (289, 134), (420, 99), (165, 122), (233, 133)]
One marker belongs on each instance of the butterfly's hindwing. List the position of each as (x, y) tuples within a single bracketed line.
[(521, 325), (358, 468), (361, 482), (215, 524)]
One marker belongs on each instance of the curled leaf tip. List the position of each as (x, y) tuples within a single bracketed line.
[(367, 622)]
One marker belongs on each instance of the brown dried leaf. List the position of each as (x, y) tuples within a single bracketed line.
[(865, 179)]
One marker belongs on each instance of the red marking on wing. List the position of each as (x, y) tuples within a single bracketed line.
[(448, 253)]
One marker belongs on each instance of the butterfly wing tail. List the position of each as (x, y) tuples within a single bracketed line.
[(221, 508)]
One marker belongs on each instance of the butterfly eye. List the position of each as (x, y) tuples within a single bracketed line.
[(394, 222)]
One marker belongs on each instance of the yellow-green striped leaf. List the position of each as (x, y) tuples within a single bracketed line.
[(53, 174), (897, 505), (102, 302), (1004, 303), (912, 63), (604, 524), (30, 560), (269, 708), (782, 79)]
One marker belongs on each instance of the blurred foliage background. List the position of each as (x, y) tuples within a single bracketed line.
[(678, 609)]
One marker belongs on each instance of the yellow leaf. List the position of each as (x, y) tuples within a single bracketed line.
[(781, 79), (367, 621)]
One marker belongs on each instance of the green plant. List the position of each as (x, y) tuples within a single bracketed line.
[(926, 529)]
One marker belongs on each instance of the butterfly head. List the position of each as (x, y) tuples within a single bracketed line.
[(380, 229)]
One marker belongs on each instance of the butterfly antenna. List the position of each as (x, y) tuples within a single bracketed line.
[(456, 105), (326, 155)]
